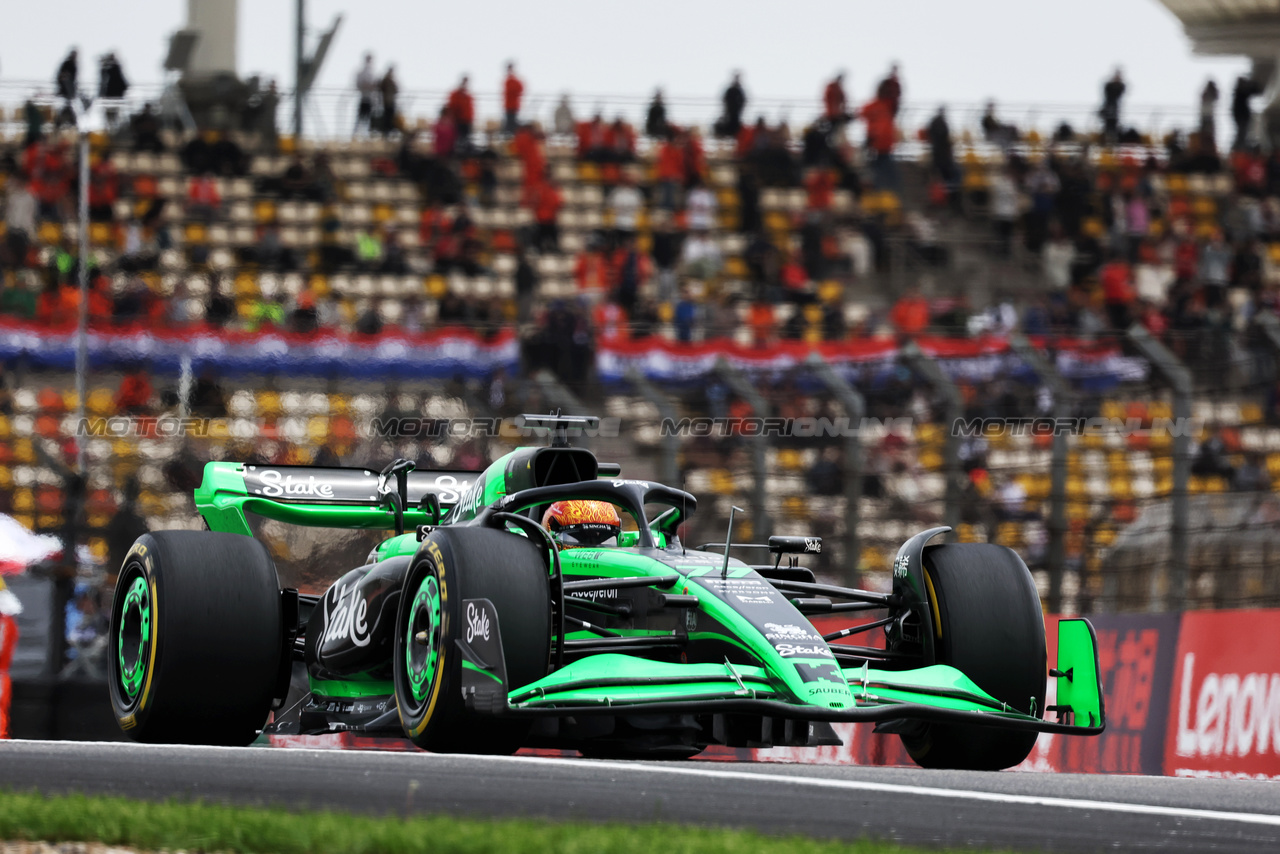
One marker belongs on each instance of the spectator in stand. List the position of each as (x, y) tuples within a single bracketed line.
[(834, 102), (591, 271), (1209, 112), (20, 220), (389, 89), (686, 316), (463, 108), (735, 103), (135, 393), (700, 207), (104, 188), (942, 155), (1215, 268), (625, 202), (67, 82), (669, 173), (881, 137), (996, 131), (545, 201), (1242, 108), (695, 159), (145, 127), (204, 202), (666, 254), (1252, 476), (563, 120), (512, 92), (112, 87), (1112, 92), (701, 258), (367, 85), (910, 314), (630, 269), (1117, 290), (655, 122), (890, 90), (446, 135), (526, 281), (1004, 210)]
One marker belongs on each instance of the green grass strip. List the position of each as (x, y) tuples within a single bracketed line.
[(200, 826)]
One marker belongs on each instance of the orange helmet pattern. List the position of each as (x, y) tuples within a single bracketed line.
[(582, 523)]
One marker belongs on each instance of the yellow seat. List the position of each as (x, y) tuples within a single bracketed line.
[(269, 404), (196, 233), (246, 285), (23, 501), (722, 482), (795, 507), (100, 234), (50, 233), (101, 402)]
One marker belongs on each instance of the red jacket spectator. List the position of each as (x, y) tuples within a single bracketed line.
[(1117, 286), (610, 320), (695, 159), (881, 133), (670, 162), (135, 392), (203, 190), (512, 92), (462, 106), (910, 314), (833, 98), (545, 201), (591, 272), (821, 185)]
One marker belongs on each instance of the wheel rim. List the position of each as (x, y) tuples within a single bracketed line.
[(422, 642), (133, 638)]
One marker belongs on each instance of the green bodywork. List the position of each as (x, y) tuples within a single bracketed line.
[(629, 680)]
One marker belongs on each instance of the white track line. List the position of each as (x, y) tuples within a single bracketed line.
[(755, 777)]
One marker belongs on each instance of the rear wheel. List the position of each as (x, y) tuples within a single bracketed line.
[(195, 638), (988, 625), (453, 565)]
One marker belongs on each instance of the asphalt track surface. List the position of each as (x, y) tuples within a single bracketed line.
[(1005, 810)]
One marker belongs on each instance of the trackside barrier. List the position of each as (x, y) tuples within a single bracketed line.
[(8, 643), (1190, 695)]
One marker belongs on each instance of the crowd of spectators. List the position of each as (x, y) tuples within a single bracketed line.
[(1111, 235)]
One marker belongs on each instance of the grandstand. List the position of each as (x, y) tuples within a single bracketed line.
[(266, 281)]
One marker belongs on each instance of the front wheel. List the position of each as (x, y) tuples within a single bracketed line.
[(988, 625), (451, 566), (195, 639)]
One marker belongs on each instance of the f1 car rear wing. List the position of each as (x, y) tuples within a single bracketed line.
[(320, 496)]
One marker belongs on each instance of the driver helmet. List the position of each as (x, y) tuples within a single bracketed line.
[(582, 523)]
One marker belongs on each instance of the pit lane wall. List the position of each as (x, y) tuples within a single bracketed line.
[(1190, 695)]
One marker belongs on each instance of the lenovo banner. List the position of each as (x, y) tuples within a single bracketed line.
[(1225, 720)]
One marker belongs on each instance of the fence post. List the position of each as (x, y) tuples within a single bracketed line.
[(1179, 378), (928, 367), (1063, 398), (855, 409), (761, 525), (668, 466)]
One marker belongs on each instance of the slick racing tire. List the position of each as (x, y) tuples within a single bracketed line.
[(988, 625), (195, 639), (453, 565)]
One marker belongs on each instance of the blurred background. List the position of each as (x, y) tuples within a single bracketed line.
[(202, 261)]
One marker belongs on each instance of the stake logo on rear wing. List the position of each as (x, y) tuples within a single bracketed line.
[(318, 485)]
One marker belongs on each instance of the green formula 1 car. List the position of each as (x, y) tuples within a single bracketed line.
[(548, 602)]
